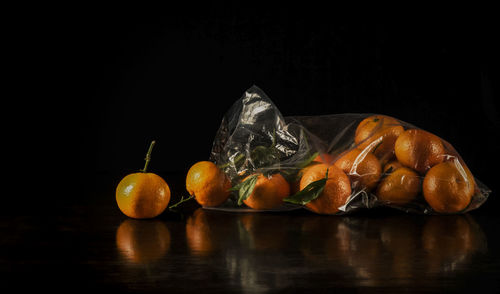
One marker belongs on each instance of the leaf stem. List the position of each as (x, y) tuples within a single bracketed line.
[(148, 156), (181, 201)]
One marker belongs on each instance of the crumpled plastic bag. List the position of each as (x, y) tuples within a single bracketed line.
[(337, 164)]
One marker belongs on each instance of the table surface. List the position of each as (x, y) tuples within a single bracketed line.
[(89, 244)]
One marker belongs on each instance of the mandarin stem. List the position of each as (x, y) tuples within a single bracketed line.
[(148, 156)]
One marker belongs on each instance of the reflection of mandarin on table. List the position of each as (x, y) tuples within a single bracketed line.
[(208, 184), (335, 193), (142, 241), (322, 236), (400, 236), (266, 231), (450, 240), (378, 133), (201, 233)]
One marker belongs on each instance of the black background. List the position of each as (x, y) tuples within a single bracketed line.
[(125, 80)]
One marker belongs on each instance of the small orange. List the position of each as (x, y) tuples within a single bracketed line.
[(143, 194), (362, 167), (378, 133), (268, 192), (335, 193), (208, 184), (448, 187), (419, 150), (142, 242), (399, 187)]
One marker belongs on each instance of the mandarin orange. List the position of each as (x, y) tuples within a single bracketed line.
[(208, 184), (399, 187), (419, 150), (142, 194), (448, 187), (268, 192), (335, 193), (378, 133), (362, 167)]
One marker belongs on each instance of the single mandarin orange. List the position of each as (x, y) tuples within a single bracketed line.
[(378, 133), (208, 184), (268, 192), (335, 193), (143, 194), (448, 187), (399, 187), (419, 150), (362, 167)]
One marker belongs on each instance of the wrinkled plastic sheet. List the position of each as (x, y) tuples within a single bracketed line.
[(254, 137)]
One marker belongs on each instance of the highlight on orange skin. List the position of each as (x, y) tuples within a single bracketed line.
[(200, 234)]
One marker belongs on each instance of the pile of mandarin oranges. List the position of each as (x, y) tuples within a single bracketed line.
[(397, 164)]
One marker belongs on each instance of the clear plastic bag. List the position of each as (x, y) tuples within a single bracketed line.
[(337, 164)]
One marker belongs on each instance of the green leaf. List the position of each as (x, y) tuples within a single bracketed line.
[(309, 193), (245, 188)]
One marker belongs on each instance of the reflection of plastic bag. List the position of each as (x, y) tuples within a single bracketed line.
[(336, 164)]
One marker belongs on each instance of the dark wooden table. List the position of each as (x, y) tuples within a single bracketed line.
[(87, 244)]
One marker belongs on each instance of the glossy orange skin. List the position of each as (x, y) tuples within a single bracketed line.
[(209, 184), (378, 133), (142, 242), (362, 167), (268, 192), (142, 195), (399, 187), (448, 187), (336, 192), (419, 150)]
